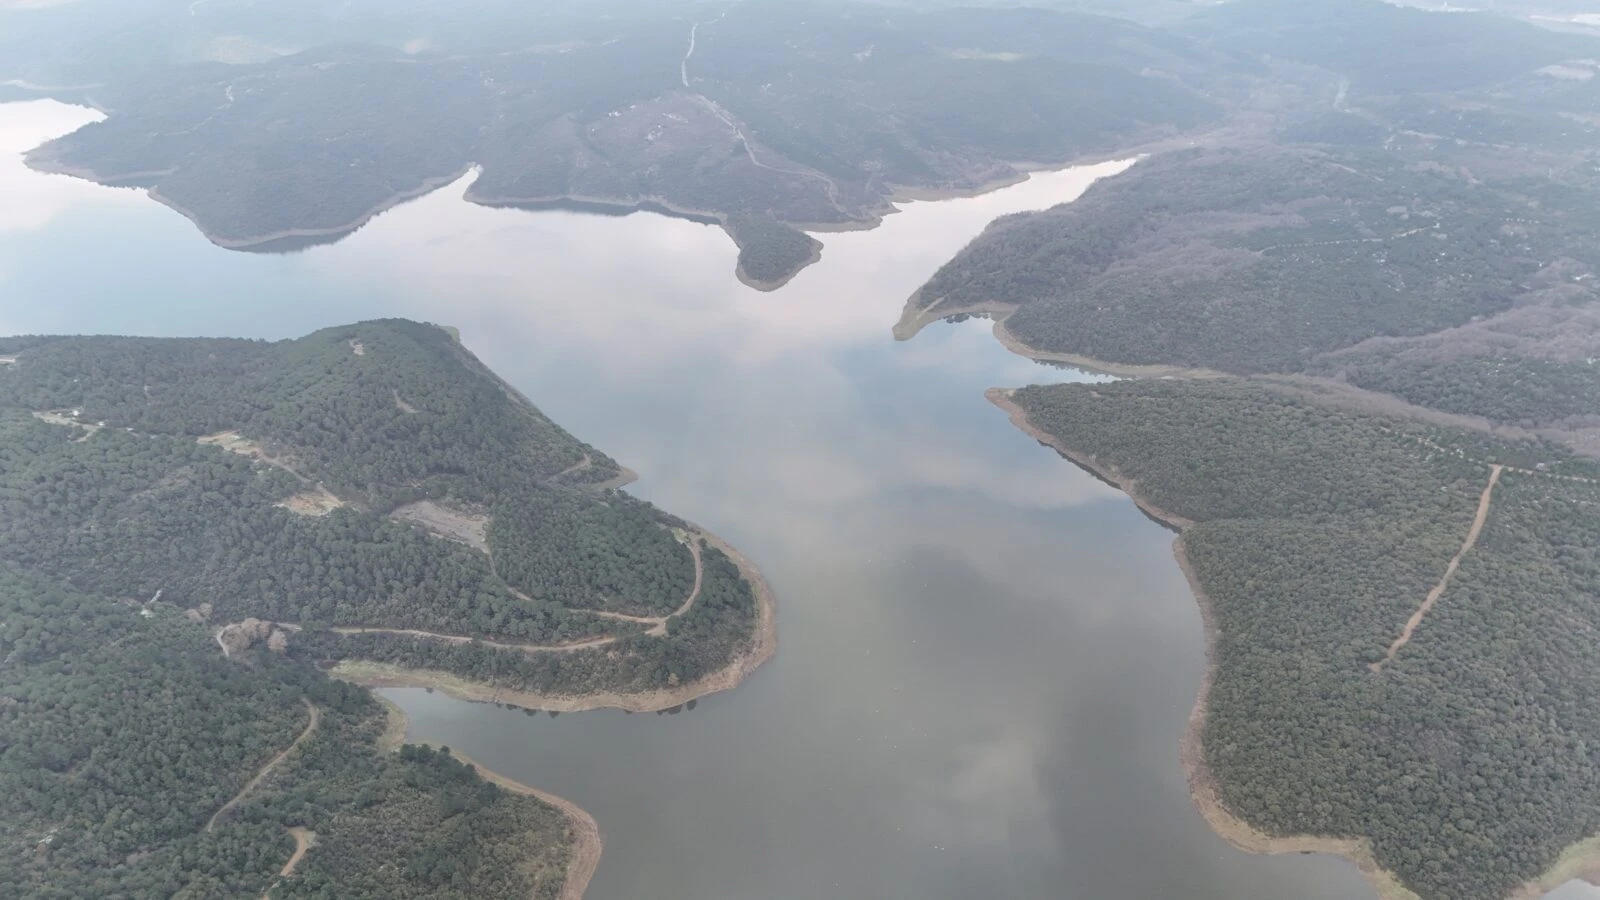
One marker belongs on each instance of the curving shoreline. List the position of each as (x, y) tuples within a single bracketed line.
[(1580, 860), (769, 286), (1203, 791), (764, 644), (588, 842), (914, 318)]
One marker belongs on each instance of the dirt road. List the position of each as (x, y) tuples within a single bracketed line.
[(1449, 572)]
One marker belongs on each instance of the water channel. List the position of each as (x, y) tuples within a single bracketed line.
[(986, 658)]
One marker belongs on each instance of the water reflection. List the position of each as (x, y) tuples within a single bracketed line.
[(986, 656)]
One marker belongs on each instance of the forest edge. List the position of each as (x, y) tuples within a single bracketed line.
[(587, 840), (1580, 860), (764, 643)]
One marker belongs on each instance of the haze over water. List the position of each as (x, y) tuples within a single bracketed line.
[(986, 657)]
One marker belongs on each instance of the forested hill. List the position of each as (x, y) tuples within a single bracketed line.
[(1391, 489), (1429, 238), (761, 116), (1460, 745), (372, 479), (190, 529)]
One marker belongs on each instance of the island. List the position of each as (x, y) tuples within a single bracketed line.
[(198, 533), (767, 119), (1356, 345)]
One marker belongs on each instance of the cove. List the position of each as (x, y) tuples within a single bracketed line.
[(986, 657)]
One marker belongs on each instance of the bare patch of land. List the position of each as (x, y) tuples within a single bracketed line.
[(234, 442), (357, 347), (452, 524), (311, 728), (402, 405), (1450, 570), (318, 502), (69, 419)]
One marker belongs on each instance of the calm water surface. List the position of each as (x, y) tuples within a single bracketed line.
[(986, 657)]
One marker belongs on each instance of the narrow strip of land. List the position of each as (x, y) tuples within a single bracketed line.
[(311, 728), (1449, 571)]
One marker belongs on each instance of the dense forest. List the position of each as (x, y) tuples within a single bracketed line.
[(183, 523), (769, 251), (1317, 532), (1262, 259), (280, 482), (127, 747)]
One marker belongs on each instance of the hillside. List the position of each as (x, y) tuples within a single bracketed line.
[(1454, 747), (1366, 321), (763, 117), (1433, 245), (190, 530)]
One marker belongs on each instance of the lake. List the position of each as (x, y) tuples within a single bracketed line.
[(986, 657)]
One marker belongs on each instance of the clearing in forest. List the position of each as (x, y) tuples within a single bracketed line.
[(317, 502), (451, 524)]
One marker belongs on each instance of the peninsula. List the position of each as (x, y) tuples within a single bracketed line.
[(208, 525)]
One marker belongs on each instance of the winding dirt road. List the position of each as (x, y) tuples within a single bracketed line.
[(311, 728), (658, 624), (303, 839), (1449, 572)]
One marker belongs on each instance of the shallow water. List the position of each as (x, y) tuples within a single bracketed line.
[(986, 658)]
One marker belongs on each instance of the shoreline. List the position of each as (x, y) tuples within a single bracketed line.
[(1002, 398), (770, 286), (913, 319), (1203, 793), (40, 160), (624, 477), (764, 644), (1203, 790), (334, 232), (588, 842), (1580, 861)]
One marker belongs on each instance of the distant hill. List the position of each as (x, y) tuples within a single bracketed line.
[(782, 115), (1362, 325)]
